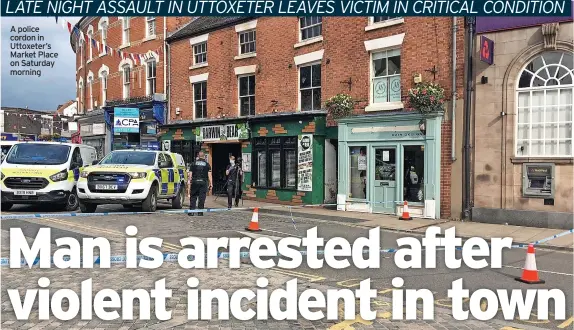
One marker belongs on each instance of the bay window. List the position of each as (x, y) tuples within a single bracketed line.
[(386, 76), (275, 163)]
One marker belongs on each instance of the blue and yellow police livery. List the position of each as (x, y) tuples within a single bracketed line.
[(44, 172), (133, 178)]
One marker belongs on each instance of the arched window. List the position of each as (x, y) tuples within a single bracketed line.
[(81, 95), (103, 74), (544, 107), (91, 90), (103, 27), (90, 37)]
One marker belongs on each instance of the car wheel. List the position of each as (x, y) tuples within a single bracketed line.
[(87, 207), (150, 203), (72, 202), (177, 201), (6, 206)]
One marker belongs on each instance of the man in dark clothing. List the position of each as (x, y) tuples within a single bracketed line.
[(199, 182), (234, 180)]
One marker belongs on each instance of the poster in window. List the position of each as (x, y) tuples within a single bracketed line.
[(246, 162), (305, 164), (386, 155), (362, 163), (380, 90), (395, 89)]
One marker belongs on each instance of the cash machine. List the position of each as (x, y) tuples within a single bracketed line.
[(538, 180)]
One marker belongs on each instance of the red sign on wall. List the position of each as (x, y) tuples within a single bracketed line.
[(486, 50)]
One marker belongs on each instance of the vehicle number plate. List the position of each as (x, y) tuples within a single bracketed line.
[(107, 186), (24, 193)]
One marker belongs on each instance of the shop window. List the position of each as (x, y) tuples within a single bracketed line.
[(200, 99), (247, 95), (125, 31), (310, 87), (386, 76), (310, 27), (544, 120), (151, 77), (276, 162), (358, 172), (200, 53), (126, 80), (247, 42), (150, 26), (414, 167)]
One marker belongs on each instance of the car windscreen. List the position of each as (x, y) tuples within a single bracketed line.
[(128, 157), (38, 154)]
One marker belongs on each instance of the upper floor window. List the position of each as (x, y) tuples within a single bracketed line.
[(310, 27), (247, 95), (200, 53), (90, 37), (247, 42), (125, 30), (544, 107), (104, 86), (386, 76), (126, 71), (150, 26), (310, 87), (81, 96), (380, 19), (91, 87), (103, 27), (200, 99), (151, 77)]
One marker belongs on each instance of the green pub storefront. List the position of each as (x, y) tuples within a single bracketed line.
[(283, 155), (386, 159)]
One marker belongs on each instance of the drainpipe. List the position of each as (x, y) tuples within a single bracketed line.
[(168, 54), (165, 65), (467, 113), (453, 124)]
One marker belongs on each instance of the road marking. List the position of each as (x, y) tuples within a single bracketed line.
[(347, 325), (345, 285), (484, 305), (256, 236), (310, 277), (510, 328), (566, 323), (542, 271), (167, 245), (280, 232)]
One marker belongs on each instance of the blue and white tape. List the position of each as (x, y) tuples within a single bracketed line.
[(173, 257), (208, 210)]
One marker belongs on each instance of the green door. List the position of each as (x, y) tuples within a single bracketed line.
[(385, 183)]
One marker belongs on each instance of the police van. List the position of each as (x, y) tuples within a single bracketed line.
[(134, 178), (44, 172)]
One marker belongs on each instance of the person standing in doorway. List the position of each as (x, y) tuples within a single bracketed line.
[(199, 182), (234, 181)]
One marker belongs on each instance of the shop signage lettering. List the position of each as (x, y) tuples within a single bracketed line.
[(126, 120), (222, 132), (9, 137), (305, 163)]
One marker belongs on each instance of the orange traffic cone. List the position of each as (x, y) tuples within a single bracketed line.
[(406, 215), (529, 272), (254, 224)]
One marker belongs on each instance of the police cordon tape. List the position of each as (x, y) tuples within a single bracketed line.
[(173, 211), (173, 257)]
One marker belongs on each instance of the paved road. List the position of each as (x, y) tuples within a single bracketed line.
[(555, 267)]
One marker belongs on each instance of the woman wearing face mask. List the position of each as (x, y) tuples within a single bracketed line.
[(234, 180)]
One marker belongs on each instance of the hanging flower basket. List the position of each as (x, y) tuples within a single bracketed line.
[(427, 97), (340, 106)]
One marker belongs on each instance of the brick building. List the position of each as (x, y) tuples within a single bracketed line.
[(522, 122), (256, 88), (120, 64)]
